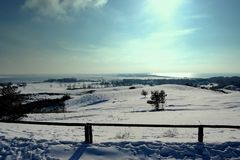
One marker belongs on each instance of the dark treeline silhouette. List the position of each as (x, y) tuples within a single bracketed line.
[(46, 105), (69, 80), (10, 103), (14, 105)]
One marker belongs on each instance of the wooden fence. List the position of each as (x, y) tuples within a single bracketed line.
[(89, 135)]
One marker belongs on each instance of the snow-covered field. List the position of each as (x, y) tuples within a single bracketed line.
[(185, 105)]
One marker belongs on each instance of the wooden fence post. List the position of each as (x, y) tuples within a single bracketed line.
[(200, 134), (88, 133)]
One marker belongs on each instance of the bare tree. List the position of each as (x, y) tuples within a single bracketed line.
[(144, 93)]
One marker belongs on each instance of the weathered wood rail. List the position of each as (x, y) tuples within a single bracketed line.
[(89, 135)]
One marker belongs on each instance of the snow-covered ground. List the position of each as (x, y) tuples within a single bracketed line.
[(185, 105), (21, 148)]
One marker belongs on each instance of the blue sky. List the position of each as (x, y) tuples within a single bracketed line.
[(119, 36)]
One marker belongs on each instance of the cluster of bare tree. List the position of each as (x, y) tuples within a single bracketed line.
[(158, 99)]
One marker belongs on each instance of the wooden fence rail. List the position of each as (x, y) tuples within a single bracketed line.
[(89, 135)]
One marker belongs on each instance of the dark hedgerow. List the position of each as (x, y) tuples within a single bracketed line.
[(12, 107)]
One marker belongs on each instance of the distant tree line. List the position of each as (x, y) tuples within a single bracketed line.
[(69, 80), (195, 82)]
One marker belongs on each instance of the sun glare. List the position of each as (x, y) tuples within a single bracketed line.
[(165, 9)]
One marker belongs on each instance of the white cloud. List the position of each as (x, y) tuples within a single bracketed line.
[(61, 8)]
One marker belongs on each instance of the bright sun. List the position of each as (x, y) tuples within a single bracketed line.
[(165, 9)]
